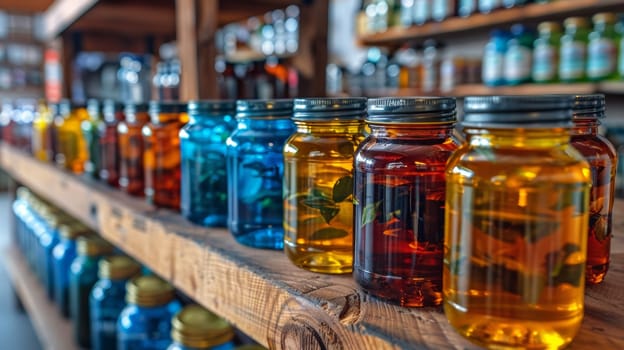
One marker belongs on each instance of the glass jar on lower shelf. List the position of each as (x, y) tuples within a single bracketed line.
[(195, 328), (145, 323), (255, 167), (516, 219), (107, 299)]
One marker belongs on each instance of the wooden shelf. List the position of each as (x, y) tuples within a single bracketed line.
[(54, 332), (532, 12), (262, 293)]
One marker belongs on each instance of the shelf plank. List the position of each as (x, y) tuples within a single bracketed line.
[(532, 12), (54, 332), (261, 292)]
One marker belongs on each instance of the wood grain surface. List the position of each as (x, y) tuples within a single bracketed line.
[(263, 294)]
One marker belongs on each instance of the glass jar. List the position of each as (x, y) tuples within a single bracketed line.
[(602, 159), (109, 147), (514, 3), (466, 8), (131, 146), (83, 273), (546, 53), (493, 69), (255, 167), (195, 328), (51, 135), (487, 6), (318, 183), (49, 240), (107, 299), (442, 9), (71, 147), (573, 50), (39, 138), (517, 214), (399, 199), (64, 254), (518, 55), (602, 48), (422, 11), (145, 323), (161, 156), (204, 178), (91, 136)]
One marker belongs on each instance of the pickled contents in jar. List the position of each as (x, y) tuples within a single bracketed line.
[(131, 175), (602, 163), (256, 204), (161, 161), (515, 268), (319, 228), (401, 223)]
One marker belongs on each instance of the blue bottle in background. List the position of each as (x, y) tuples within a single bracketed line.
[(108, 299), (203, 198), (195, 328), (145, 323), (255, 167), (48, 241), (493, 70)]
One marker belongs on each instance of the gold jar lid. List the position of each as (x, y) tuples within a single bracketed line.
[(549, 27), (118, 267), (575, 22), (55, 220), (22, 193), (197, 327), (93, 245), (250, 347), (74, 230), (605, 17), (149, 291)]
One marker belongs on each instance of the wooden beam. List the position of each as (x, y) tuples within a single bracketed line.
[(311, 59), (207, 12), (62, 13), (187, 48)]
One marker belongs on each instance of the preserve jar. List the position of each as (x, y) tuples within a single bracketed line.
[(195, 328), (83, 273), (318, 183), (90, 133), (203, 197), (589, 110), (71, 147), (255, 167), (516, 219), (145, 323), (399, 199), (64, 254), (130, 142), (112, 113), (161, 156), (108, 299), (39, 137)]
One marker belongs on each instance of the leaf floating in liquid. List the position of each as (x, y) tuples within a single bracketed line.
[(563, 272), (328, 233), (346, 149), (343, 188), (319, 202), (328, 213), (574, 198), (370, 213), (507, 227), (598, 225)]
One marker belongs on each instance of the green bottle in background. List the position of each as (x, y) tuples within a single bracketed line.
[(602, 48), (573, 50), (546, 53)]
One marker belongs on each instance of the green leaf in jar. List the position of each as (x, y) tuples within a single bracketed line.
[(328, 233), (563, 271), (370, 213), (598, 225), (343, 188), (572, 197), (328, 213), (318, 202), (508, 226), (346, 149)]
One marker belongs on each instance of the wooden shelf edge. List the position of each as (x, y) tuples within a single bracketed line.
[(483, 21), (53, 331), (260, 291)]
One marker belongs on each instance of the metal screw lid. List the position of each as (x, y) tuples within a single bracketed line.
[(149, 291), (197, 327), (518, 111), (93, 245), (588, 106), (208, 107), (118, 267), (280, 108), (325, 108), (402, 110), (74, 230)]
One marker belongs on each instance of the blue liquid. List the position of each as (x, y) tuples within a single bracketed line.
[(145, 328), (106, 303), (48, 241), (64, 253)]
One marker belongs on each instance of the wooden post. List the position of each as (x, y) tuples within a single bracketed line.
[(311, 60), (206, 29), (187, 48)]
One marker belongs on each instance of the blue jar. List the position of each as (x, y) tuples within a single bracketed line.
[(203, 197), (145, 323), (20, 209), (195, 328), (255, 166), (64, 254), (83, 274), (108, 299), (494, 59), (48, 240)]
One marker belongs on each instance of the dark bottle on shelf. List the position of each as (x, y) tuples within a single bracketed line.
[(91, 135), (399, 187), (600, 154), (109, 145), (131, 148)]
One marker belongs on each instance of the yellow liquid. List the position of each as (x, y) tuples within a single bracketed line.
[(40, 135), (515, 246), (72, 147), (318, 204)]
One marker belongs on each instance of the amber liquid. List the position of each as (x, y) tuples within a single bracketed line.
[(71, 146), (602, 161), (162, 164), (109, 153), (515, 245), (131, 176), (318, 205)]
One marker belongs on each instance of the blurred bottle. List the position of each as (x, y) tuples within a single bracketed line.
[(494, 58), (519, 55), (546, 53), (602, 48), (573, 50)]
